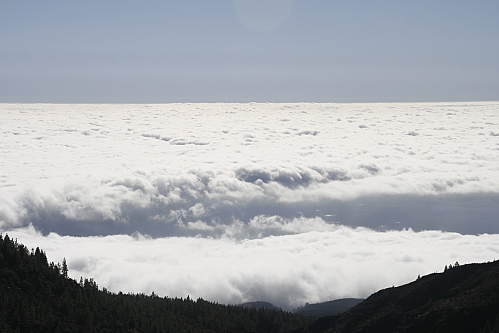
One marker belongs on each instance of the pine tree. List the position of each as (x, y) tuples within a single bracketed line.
[(64, 268)]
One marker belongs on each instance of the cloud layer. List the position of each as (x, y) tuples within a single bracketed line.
[(288, 203), (180, 169), (313, 266)]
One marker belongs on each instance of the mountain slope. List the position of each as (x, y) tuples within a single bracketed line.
[(330, 308), (462, 299)]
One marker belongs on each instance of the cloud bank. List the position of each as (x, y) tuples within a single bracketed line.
[(180, 169), (236, 202), (328, 263)]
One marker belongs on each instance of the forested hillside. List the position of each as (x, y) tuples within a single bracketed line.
[(38, 296), (464, 298)]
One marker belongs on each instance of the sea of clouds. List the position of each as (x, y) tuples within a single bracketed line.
[(287, 203)]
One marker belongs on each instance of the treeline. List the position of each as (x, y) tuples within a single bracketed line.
[(37, 296)]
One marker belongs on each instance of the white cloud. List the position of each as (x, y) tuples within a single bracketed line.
[(290, 270), (236, 202)]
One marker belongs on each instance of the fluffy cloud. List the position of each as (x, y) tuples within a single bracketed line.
[(234, 202), (220, 163), (207, 203), (328, 263)]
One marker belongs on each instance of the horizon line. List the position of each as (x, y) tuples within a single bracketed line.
[(253, 102)]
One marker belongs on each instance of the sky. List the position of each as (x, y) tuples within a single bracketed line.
[(248, 50), (234, 202), (251, 150)]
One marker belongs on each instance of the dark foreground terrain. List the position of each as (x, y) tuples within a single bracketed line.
[(38, 296), (461, 299)]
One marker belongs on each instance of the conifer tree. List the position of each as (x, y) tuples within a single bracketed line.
[(64, 268)]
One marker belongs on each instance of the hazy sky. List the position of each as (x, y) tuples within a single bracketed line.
[(248, 50)]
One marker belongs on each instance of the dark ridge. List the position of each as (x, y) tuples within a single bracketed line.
[(330, 308), (461, 299)]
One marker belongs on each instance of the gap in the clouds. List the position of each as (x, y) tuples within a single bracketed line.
[(462, 213)]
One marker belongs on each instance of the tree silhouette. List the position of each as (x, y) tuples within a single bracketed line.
[(64, 268)]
